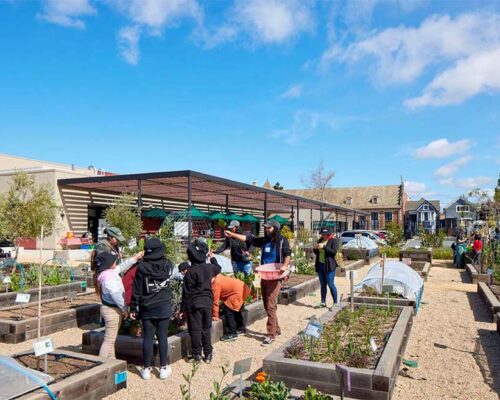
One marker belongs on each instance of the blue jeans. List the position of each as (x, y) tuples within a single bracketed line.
[(327, 278), (243, 266)]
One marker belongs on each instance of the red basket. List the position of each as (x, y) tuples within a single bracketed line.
[(271, 272)]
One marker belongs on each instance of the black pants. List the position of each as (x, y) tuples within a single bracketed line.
[(200, 325), (150, 327), (233, 319)]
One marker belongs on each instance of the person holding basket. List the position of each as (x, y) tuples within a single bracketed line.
[(275, 250)]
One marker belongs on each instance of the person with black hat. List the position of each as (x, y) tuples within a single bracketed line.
[(240, 254), (275, 249), (325, 265), (112, 294), (199, 299), (152, 303)]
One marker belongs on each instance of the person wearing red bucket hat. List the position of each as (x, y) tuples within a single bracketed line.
[(275, 250)]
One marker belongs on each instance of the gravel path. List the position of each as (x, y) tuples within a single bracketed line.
[(456, 346)]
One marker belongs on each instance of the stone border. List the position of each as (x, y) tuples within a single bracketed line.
[(299, 291), (361, 254), (416, 255), (94, 383), (20, 331), (48, 292), (398, 302), (129, 348), (489, 298), (424, 274), (474, 274), (366, 383)]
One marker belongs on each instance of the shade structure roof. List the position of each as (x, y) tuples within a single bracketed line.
[(249, 218), (155, 213), (195, 213), (203, 189), (280, 219), (216, 215), (234, 217)]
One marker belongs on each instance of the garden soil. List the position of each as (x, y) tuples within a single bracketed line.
[(453, 341)]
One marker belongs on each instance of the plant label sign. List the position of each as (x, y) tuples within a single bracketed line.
[(242, 366), (373, 345), (6, 280), (23, 298), (43, 346), (314, 329)]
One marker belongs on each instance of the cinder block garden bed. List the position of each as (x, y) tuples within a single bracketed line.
[(490, 295), (297, 287), (373, 373), (367, 255), (129, 348), (474, 275), (48, 292), (57, 314), (420, 255), (77, 376)]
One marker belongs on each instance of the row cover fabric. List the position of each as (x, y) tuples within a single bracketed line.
[(224, 262), (361, 242), (404, 280)]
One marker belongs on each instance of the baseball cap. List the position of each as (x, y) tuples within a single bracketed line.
[(273, 223), (116, 233), (233, 224)]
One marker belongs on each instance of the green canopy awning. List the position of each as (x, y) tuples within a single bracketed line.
[(249, 218), (234, 217), (195, 213), (323, 224), (155, 213), (217, 215), (280, 219)]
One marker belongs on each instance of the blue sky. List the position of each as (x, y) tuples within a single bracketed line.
[(258, 89)]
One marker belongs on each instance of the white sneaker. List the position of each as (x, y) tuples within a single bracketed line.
[(165, 372), (146, 373)]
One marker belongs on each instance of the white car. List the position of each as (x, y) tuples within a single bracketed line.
[(349, 235)]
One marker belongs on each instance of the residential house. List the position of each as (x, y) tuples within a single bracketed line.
[(459, 214), (423, 213), (383, 203)]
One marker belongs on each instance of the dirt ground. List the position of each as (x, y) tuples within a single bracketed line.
[(453, 341)]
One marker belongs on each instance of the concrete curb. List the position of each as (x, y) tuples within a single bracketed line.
[(416, 255), (474, 274), (297, 292), (489, 298)]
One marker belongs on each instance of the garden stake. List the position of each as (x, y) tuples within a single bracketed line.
[(382, 264), (351, 276)]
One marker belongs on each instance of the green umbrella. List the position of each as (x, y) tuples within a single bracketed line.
[(249, 218), (217, 215), (155, 213), (195, 213), (234, 217), (280, 219)]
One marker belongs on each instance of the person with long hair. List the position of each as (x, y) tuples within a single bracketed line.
[(325, 265)]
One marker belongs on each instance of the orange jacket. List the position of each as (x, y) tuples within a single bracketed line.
[(231, 291)]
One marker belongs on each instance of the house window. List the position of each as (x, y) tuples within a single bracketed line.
[(465, 208), (348, 201), (374, 220), (388, 216), (425, 207), (374, 200), (426, 216)]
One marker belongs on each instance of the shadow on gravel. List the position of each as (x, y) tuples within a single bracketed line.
[(465, 276), (487, 357), (299, 303), (479, 309), (255, 335)]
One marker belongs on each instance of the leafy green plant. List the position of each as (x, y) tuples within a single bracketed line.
[(188, 380), (442, 253), (217, 394), (166, 234), (124, 216), (389, 251), (394, 233), (286, 232), (312, 394), (249, 281), (431, 239), (268, 390)]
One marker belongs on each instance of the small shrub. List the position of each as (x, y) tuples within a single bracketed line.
[(389, 251), (286, 232), (304, 266), (268, 390), (313, 394), (394, 233), (442, 253)]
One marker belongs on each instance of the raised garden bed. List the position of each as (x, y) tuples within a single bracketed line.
[(423, 268), (129, 348), (349, 266), (57, 314), (297, 287), (77, 376), (360, 254), (498, 322), (373, 376), (86, 278), (416, 255), (474, 274), (48, 292), (366, 298), (490, 295)]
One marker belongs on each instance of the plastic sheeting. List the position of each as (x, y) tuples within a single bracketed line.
[(360, 243), (16, 379), (402, 279), (224, 262)]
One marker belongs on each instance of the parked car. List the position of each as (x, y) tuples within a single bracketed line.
[(348, 235), (381, 234), (6, 249)]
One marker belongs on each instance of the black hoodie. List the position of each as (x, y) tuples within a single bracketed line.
[(152, 295)]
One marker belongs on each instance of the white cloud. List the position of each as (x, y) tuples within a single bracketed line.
[(292, 92), (128, 43), (442, 148), (452, 168), (465, 48), (416, 190), (305, 124), (467, 183), (66, 13), (274, 21)]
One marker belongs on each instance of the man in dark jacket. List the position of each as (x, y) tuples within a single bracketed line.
[(240, 255), (152, 302), (198, 288), (326, 249), (275, 249)]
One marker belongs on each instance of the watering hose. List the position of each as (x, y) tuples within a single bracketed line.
[(34, 378)]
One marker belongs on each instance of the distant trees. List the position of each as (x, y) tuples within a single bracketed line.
[(124, 216), (318, 181), (277, 186)]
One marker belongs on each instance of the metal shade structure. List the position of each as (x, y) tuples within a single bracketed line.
[(193, 187), (155, 213)]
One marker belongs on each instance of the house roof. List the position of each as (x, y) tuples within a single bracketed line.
[(388, 196), (414, 205)]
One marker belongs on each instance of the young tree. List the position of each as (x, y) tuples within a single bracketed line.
[(278, 186), (124, 216), (319, 180), (25, 208), (395, 233)]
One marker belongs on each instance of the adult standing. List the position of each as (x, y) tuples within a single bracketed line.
[(275, 249), (152, 303), (325, 265), (240, 255)]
